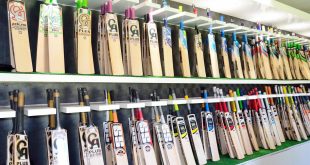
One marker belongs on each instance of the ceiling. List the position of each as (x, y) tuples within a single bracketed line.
[(302, 5), (268, 12)]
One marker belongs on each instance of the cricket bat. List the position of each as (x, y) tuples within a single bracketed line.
[(55, 39), (248, 57), (93, 145), (183, 48), (104, 61), (221, 132), (302, 110), (42, 60), (152, 48), (50, 47), (299, 123), (291, 58), (84, 53), (20, 148), (228, 141), (81, 129), (169, 154), (303, 65), (167, 50), (282, 114), (249, 122), (305, 102), (235, 141), (293, 122), (117, 135), (265, 60), (214, 67), (196, 142), (273, 124), (233, 111), (280, 59), (146, 148), (10, 138), (58, 136), (113, 40), (285, 61), (19, 39), (242, 126), (134, 141), (134, 48), (261, 135), (236, 58), (275, 115), (209, 128), (296, 63), (265, 124), (200, 66), (18, 33), (273, 59), (107, 139), (224, 53), (244, 62), (181, 133), (52, 125), (258, 59)]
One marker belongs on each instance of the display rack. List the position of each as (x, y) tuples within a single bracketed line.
[(40, 110)]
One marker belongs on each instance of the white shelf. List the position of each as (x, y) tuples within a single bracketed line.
[(182, 16), (155, 103), (104, 107), (244, 30), (74, 109), (216, 24), (196, 100), (39, 111), (177, 101), (119, 6), (145, 7), (197, 21), (164, 12), (132, 105), (70, 78), (7, 113)]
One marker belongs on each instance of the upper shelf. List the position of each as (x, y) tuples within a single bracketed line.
[(69, 78), (275, 13), (174, 16)]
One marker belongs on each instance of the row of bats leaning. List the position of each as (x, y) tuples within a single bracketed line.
[(235, 128), (141, 52)]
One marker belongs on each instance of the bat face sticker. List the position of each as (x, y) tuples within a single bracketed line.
[(22, 150), (17, 13), (84, 23), (93, 140), (55, 19), (112, 26), (210, 124), (152, 34), (167, 35), (134, 32)]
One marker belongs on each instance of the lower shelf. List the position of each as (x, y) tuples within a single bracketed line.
[(261, 154)]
